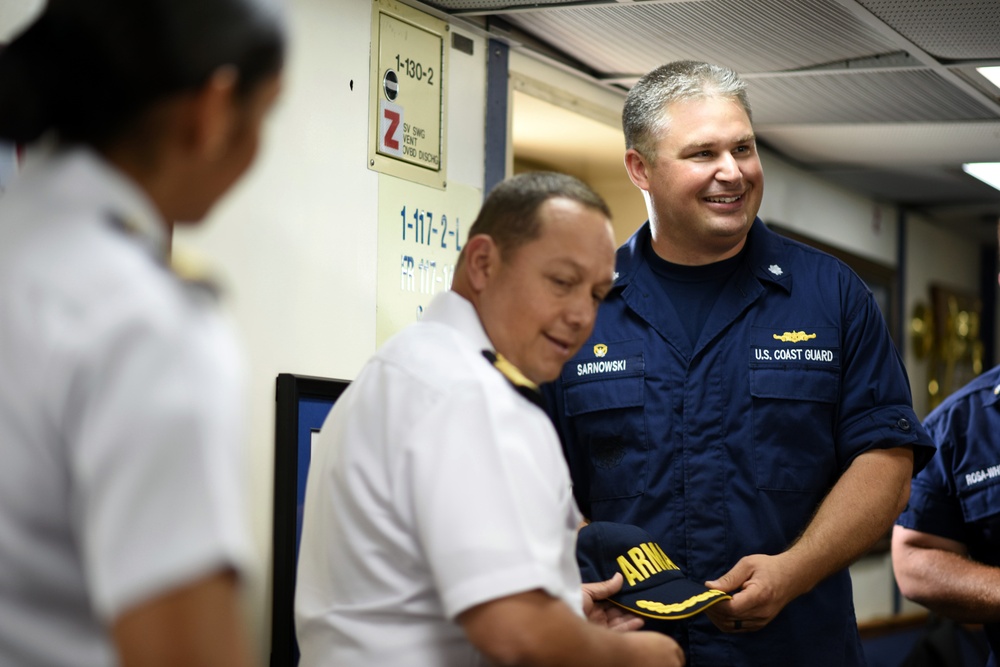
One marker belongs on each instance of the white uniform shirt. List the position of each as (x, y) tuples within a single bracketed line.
[(434, 487), (120, 416)]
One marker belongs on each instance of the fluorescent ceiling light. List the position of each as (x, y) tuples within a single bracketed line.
[(987, 172), (991, 73)]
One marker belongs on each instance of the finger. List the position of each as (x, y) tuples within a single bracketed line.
[(614, 618), (741, 607), (734, 579), (725, 617), (738, 624), (624, 621), (601, 590), (723, 623), (722, 609), (747, 625), (735, 625), (629, 623)]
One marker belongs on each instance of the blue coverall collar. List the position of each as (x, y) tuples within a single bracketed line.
[(765, 256), (992, 394)]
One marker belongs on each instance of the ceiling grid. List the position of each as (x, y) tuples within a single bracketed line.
[(881, 96), (947, 29)]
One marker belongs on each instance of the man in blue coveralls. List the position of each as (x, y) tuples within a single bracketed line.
[(946, 544), (740, 398)]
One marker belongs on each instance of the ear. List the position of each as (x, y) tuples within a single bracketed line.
[(214, 117), (638, 168), (482, 257)]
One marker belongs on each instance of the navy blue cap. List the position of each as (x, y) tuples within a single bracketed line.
[(654, 587)]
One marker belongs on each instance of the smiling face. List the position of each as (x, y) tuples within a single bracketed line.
[(704, 185), (538, 303)]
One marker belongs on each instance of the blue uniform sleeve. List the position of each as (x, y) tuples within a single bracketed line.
[(934, 506), (876, 405)]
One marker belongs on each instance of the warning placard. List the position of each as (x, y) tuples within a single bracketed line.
[(390, 134), (421, 231), (408, 81)]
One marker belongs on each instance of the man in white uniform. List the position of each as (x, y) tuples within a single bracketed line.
[(439, 524)]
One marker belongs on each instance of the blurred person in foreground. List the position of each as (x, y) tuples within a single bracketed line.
[(741, 398), (122, 527), (439, 525)]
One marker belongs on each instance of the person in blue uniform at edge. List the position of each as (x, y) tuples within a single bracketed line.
[(946, 543), (123, 537), (740, 397)]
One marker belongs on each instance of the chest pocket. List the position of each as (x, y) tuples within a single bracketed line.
[(981, 511), (795, 390), (604, 398)]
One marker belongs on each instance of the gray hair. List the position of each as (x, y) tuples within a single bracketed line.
[(644, 118)]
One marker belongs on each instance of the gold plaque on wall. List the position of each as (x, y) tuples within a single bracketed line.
[(409, 66)]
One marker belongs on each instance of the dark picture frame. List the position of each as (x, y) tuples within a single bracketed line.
[(302, 404), (955, 356)]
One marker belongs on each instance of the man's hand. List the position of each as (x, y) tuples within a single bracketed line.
[(534, 629), (863, 503), (608, 614), (763, 586), (938, 573)]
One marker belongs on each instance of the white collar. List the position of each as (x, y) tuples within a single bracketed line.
[(456, 311)]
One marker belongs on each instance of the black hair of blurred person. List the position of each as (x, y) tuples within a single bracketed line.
[(88, 70)]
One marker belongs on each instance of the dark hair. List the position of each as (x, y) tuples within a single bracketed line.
[(87, 69), (644, 118), (510, 213)]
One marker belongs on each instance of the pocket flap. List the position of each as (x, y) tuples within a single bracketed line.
[(604, 394), (797, 384), (980, 501)]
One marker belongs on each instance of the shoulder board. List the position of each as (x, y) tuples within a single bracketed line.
[(193, 271), (517, 379)]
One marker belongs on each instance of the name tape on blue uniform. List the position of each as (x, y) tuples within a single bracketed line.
[(816, 346)]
